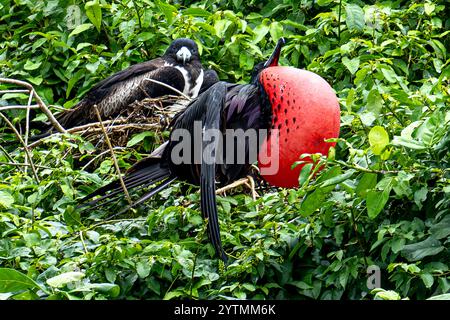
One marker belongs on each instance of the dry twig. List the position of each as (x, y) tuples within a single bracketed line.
[(170, 87), (23, 143), (39, 101), (113, 155)]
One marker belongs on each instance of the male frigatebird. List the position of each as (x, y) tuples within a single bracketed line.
[(223, 106), (179, 67), (297, 107)]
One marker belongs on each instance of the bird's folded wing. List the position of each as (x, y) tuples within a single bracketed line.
[(130, 72), (215, 103)]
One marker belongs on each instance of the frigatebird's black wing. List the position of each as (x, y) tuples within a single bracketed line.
[(114, 94), (210, 141), (207, 112), (102, 88)]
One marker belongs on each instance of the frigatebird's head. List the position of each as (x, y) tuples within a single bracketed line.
[(271, 62), (183, 50)]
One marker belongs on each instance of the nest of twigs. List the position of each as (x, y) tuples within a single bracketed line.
[(149, 114)]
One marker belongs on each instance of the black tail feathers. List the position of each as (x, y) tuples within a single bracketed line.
[(143, 174)]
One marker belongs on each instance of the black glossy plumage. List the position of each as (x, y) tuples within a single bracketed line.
[(209, 78), (223, 106)]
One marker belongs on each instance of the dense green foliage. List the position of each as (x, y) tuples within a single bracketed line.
[(383, 198)]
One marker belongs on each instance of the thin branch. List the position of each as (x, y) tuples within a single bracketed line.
[(113, 155), (114, 221), (96, 127), (14, 91), (169, 87), (362, 169), (230, 186), (22, 165), (339, 19), (23, 143), (140, 27), (98, 156), (82, 242), (38, 99), (27, 119), (252, 187), (6, 154), (32, 106), (387, 104)]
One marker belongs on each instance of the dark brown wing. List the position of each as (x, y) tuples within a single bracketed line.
[(103, 88), (113, 97)]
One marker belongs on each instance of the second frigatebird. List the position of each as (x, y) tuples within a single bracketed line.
[(179, 67)]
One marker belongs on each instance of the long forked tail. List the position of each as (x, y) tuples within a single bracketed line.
[(143, 174)]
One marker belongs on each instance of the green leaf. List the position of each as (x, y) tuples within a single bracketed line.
[(249, 287), (368, 181), (338, 179), (304, 173), (388, 73), (445, 296), (94, 13), (62, 279), (168, 10), (442, 229), (221, 26), (140, 137), (352, 65), (81, 28), (112, 290), (14, 281), (276, 30), (38, 43), (260, 32), (196, 12), (29, 65), (374, 102), (312, 202), (301, 285), (397, 244), (6, 199), (355, 17), (429, 8), (367, 118), (408, 143), (381, 294), (172, 294), (420, 196), (324, 2), (427, 279), (73, 80), (71, 217), (375, 201), (378, 139), (419, 250)]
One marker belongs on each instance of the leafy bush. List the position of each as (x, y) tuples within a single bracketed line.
[(383, 198)]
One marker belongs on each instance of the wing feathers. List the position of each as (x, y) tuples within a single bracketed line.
[(215, 102)]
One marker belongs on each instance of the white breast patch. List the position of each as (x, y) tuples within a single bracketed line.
[(198, 84)]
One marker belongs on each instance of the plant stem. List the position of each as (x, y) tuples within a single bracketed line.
[(27, 153), (113, 156), (339, 20)]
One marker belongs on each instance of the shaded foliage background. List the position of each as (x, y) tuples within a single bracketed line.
[(383, 198)]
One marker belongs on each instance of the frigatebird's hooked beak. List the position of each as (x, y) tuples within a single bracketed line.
[(273, 60), (184, 55)]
